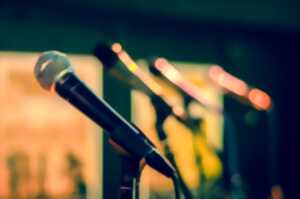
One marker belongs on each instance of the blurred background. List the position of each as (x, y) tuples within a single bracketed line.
[(257, 41)]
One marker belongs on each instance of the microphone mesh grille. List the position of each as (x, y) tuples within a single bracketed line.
[(48, 67)]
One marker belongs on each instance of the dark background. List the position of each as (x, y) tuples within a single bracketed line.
[(258, 41)]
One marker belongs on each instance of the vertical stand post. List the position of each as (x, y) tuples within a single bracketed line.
[(130, 178), (161, 116), (194, 124)]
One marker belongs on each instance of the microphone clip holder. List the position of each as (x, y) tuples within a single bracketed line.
[(162, 113)]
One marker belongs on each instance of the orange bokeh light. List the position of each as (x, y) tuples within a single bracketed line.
[(132, 66), (214, 71), (168, 70), (160, 62), (174, 76), (116, 47), (260, 99), (228, 81)]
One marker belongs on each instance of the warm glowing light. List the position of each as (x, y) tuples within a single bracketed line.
[(134, 68), (128, 62), (228, 81), (174, 76), (260, 99), (277, 192), (160, 62), (168, 70), (116, 47), (214, 71)]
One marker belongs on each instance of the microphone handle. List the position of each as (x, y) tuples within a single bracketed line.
[(122, 132)]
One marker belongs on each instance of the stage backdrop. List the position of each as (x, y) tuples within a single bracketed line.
[(48, 149), (207, 142)]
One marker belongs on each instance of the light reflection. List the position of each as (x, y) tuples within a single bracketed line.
[(116, 47), (174, 76), (131, 65), (259, 99), (228, 81), (164, 66)]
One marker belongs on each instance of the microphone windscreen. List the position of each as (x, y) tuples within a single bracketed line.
[(49, 67)]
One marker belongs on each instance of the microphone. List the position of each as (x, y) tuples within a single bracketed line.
[(121, 66), (54, 72), (258, 98), (161, 67)]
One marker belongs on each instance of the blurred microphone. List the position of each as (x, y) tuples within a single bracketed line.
[(161, 67), (121, 66), (54, 72), (240, 89)]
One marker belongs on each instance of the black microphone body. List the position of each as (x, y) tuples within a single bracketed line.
[(71, 88)]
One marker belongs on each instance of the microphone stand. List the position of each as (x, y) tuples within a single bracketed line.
[(194, 125), (130, 178), (131, 168), (161, 116)]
